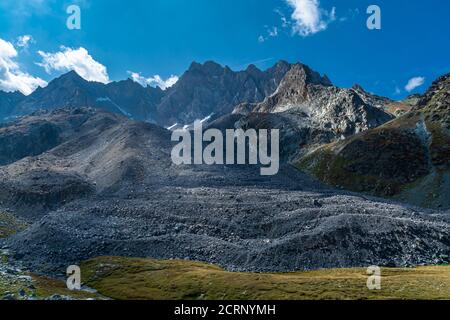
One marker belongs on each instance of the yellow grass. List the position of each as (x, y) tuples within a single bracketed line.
[(126, 278)]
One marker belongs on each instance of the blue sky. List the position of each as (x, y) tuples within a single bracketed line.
[(160, 38)]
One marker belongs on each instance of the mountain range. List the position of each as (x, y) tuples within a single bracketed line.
[(124, 97), (204, 90), (86, 167), (307, 108)]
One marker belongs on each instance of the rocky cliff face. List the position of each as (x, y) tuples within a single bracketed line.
[(310, 111), (8, 100), (408, 158), (204, 90), (294, 89), (212, 89), (308, 94)]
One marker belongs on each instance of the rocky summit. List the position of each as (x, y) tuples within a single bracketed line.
[(211, 91), (106, 186), (310, 111), (203, 90)]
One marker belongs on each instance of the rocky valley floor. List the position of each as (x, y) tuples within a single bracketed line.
[(107, 187)]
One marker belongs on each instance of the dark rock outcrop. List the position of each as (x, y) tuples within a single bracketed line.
[(8, 100), (310, 111), (408, 157), (212, 89)]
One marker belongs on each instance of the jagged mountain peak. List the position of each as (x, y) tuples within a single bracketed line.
[(71, 76), (303, 74), (309, 111), (210, 88), (282, 64), (299, 84), (12, 93), (438, 94), (358, 87), (68, 81), (251, 68), (209, 67)]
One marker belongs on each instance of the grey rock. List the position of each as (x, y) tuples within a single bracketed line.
[(9, 296), (140, 197), (310, 111)]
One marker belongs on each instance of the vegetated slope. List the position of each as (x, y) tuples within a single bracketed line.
[(131, 279), (408, 158), (110, 188)]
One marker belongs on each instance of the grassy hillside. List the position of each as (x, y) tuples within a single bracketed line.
[(126, 278), (407, 158)]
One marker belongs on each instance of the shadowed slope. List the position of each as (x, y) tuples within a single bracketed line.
[(110, 188)]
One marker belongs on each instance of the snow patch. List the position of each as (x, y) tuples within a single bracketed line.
[(172, 127), (108, 99)]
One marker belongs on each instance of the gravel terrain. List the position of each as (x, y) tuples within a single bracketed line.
[(109, 188)]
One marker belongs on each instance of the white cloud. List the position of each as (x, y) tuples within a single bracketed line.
[(24, 41), (78, 60), (351, 14), (308, 18), (271, 32), (414, 83), (285, 23), (12, 78), (154, 81)]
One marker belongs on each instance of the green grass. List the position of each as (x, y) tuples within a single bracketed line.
[(10, 225), (344, 163), (130, 278), (41, 288), (46, 287), (332, 168)]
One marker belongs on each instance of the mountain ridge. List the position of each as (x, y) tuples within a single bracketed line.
[(407, 158), (310, 111), (207, 89)]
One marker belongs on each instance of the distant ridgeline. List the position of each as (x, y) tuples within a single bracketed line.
[(204, 90)]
